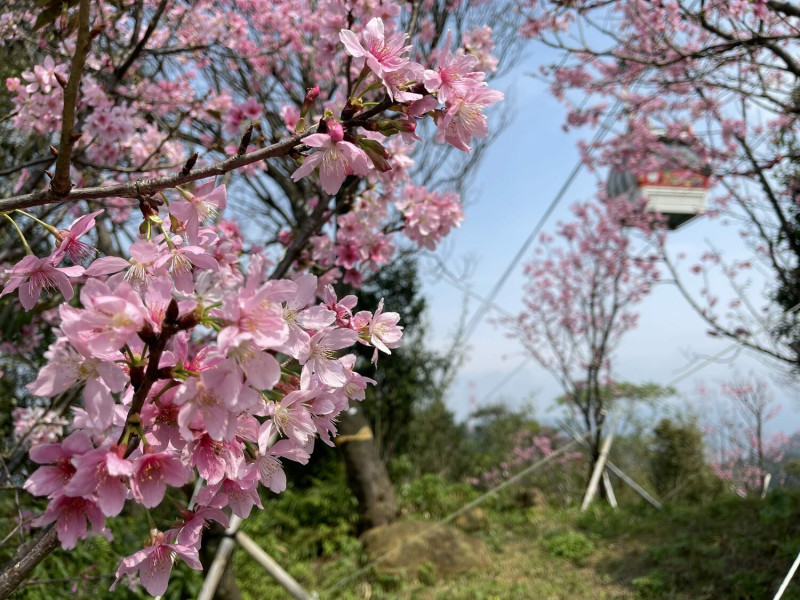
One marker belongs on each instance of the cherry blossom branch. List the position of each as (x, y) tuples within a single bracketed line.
[(148, 187), (31, 163), (309, 227), (26, 561), (156, 345), (61, 183), (714, 324), (784, 7)]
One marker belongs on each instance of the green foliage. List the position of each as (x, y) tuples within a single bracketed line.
[(571, 545), (438, 445), (432, 497), (678, 467), (310, 531), (727, 548), (651, 585), (610, 395), (426, 574), (493, 428)]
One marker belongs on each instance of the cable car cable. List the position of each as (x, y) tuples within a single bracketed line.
[(484, 307)]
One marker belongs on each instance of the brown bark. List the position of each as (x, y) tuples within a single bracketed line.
[(26, 560), (366, 474)]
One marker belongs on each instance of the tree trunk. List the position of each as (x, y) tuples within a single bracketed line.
[(366, 474)]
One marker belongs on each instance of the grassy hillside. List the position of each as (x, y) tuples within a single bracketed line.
[(729, 548)]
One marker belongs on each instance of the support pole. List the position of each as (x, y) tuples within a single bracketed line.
[(273, 568), (765, 487), (612, 499), (217, 568), (598, 468), (618, 472), (788, 578)]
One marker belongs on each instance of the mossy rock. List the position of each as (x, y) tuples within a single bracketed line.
[(410, 545)]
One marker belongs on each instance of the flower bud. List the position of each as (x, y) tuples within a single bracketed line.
[(335, 130), (308, 101), (376, 153), (390, 127)]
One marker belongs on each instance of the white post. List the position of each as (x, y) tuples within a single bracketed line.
[(788, 578), (618, 472), (224, 552), (273, 568), (767, 480), (612, 499), (598, 468)]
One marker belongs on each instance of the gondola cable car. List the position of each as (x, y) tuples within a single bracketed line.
[(679, 194)]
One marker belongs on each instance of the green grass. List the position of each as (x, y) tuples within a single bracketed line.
[(731, 548)]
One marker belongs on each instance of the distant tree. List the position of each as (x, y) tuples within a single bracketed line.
[(722, 76), (579, 301), (743, 453), (678, 467), (494, 431)]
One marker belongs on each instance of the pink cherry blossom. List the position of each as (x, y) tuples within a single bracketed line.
[(199, 207), (381, 54), (109, 320), (71, 515), (241, 493), (384, 332), (454, 75), (464, 118), (153, 472), (320, 357), (336, 160), (181, 260), (67, 242), (154, 564), (43, 78), (32, 275), (290, 417), (57, 469), (215, 460), (194, 521), (101, 472)]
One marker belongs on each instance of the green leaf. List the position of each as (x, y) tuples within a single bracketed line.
[(52, 10)]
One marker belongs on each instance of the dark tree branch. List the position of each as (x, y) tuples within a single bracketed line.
[(120, 71), (25, 562), (61, 184)]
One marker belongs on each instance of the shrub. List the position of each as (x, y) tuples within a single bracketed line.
[(571, 545)]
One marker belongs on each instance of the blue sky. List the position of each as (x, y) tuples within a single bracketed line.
[(520, 175)]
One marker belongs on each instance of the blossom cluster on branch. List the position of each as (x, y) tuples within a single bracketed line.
[(198, 356)]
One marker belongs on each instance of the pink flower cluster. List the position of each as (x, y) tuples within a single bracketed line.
[(454, 82), (39, 97), (429, 216), (34, 426), (190, 367), (32, 274), (191, 360)]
